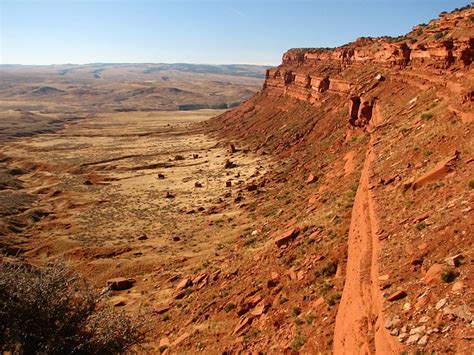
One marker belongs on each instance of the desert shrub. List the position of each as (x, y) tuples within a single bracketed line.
[(334, 298), (328, 270), (296, 311), (438, 35), (297, 342), (471, 184), (51, 311), (421, 225), (426, 116), (449, 275), (229, 307)]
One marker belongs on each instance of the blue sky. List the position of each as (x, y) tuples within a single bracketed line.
[(196, 31)]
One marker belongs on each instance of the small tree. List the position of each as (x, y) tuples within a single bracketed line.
[(50, 311)]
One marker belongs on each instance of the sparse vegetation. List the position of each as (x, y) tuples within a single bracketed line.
[(298, 321), (296, 311), (334, 298), (421, 225), (325, 287), (449, 275), (439, 35), (426, 115), (229, 307), (298, 342), (283, 300), (328, 270), (471, 184), (49, 310), (310, 319)]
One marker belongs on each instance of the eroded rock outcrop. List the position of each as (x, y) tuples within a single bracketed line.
[(306, 73)]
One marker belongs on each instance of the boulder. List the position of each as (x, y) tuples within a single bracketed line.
[(398, 295), (184, 283), (231, 148), (433, 275), (311, 178), (120, 283), (286, 237), (440, 170)]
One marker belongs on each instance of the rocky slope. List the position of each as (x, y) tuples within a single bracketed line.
[(361, 236)]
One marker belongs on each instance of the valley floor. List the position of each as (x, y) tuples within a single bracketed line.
[(133, 195)]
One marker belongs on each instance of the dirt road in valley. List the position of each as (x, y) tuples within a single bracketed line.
[(360, 322)]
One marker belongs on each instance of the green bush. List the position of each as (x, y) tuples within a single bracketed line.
[(50, 311)]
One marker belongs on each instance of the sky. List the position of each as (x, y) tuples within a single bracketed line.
[(196, 31)]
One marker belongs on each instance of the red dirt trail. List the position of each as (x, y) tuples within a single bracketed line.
[(360, 322)]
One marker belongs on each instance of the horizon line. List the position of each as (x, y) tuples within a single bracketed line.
[(125, 63)]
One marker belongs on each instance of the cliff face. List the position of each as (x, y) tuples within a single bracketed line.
[(373, 150), (305, 74)]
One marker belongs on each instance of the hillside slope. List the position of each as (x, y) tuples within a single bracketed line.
[(362, 235)]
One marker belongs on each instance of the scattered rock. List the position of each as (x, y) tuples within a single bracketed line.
[(458, 286), (413, 339), (311, 178), (392, 322), (421, 218), (433, 275), (418, 330), (197, 184), (178, 157), (229, 164), (164, 342), (286, 237), (441, 303), (176, 238), (169, 195), (184, 283), (251, 187), (162, 309), (180, 339), (455, 260), (231, 148), (423, 340), (143, 237), (161, 176), (398, 295), (260, 309), (439, 171), (242, 324), (228, 183), (120, 283)]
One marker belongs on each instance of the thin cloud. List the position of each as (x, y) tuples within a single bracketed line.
[(234, 10)]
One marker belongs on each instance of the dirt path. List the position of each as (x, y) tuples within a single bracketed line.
[(360, 322)]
